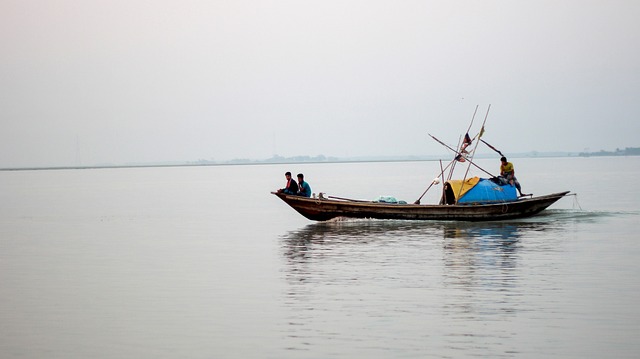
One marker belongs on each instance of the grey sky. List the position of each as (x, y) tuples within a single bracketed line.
[(94, 82)]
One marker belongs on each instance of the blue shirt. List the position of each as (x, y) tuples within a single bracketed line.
[(304, 189)]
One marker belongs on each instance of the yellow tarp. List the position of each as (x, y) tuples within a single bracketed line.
[(466, 186)]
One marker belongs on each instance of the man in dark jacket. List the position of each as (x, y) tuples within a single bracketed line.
[(291, 187)]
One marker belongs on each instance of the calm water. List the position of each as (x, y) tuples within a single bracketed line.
[(202, 262)]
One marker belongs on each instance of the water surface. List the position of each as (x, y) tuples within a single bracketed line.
[(201, 262)]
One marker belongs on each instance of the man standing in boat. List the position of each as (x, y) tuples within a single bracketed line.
[(303, 187), (291, 187), (509, 173)]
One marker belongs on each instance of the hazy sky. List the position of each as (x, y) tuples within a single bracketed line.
[(120, 81)]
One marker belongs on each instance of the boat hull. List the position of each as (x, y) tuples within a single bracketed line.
[(326, 209)]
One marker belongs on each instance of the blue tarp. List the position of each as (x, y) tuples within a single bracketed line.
[(487, 191)]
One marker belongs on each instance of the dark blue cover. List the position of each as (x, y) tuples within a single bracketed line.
[(487, 191)]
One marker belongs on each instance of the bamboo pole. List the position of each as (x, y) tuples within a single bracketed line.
[(454, 161), (468, 129), (473, 153), (457, 153), (493, 148), (443, 181), (417, 201), (472, 118)]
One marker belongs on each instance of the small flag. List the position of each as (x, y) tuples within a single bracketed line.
[(460, 158), (481, 132)]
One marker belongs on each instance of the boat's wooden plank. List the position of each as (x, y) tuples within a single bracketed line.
[(325, 209)]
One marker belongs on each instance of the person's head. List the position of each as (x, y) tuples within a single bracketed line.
[(503, 159), (287, 174), (300, 177)]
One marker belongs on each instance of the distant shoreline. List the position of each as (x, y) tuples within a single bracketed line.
[(322, 159)]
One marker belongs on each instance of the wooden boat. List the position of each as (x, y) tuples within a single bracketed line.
[(323, 209), (470, 199)]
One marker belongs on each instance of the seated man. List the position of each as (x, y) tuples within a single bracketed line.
[(291, 187), (303, 187), (509, 173)]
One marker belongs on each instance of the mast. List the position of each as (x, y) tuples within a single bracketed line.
[(473, 152), (468, 129)]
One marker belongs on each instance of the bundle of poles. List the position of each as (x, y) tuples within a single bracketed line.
[(462, 155)]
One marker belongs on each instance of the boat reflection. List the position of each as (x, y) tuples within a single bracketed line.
[(462, 271), (462, 249), (503, 235)]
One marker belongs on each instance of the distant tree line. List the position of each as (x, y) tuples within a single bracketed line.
[(318, 158), (629, 151), (274, 159)]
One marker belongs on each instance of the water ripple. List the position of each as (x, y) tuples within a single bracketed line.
[(445, 280)]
